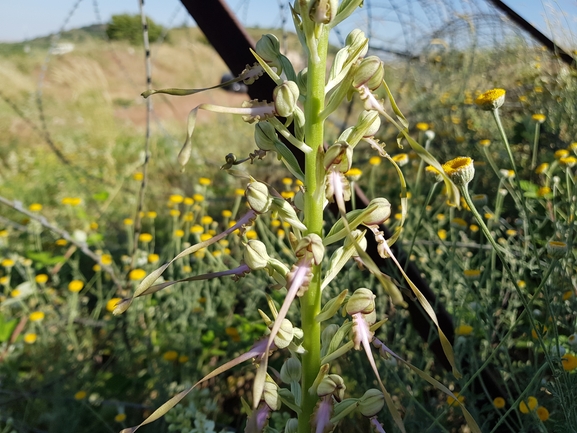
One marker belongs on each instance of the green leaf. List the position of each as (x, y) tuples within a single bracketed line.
[(331, 307), (6, 328), (288, 399), (94, 238), (528, 186), (289, 160), (101, 196), (45, 258)]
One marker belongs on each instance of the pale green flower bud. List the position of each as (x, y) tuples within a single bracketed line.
[(270, 394), (339, 155), (285, 334), (285, 98), (291, 426), (371, 402), (291, 370), (255, 255), (356, 39), (360, 238), (368, 123), (313, 244), (378, 211), (287, 213), (369, 73), (258, 197), (268, 47), (332, 384), (362, 301), (323, 11), (265, 136), (327, 335)]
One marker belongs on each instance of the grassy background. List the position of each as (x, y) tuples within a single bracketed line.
[(90, 371)]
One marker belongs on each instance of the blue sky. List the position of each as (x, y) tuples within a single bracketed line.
[(24, 19)]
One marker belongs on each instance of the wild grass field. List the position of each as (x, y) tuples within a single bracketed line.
[(72, 132)]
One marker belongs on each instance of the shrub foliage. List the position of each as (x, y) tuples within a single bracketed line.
[(129, 28)]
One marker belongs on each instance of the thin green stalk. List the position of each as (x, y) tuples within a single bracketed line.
[(504, 138), (311, 301), (465, 193), (525, 216), (505, 338), (569, 181), (516, 403), (421, 216), (421, 166), (535, 146)]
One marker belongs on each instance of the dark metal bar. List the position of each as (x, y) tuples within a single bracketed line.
[(534, 32), (229, 39)]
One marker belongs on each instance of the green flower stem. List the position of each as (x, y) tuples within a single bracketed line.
[(504, 138), (521, 397), (535, 145), (569, 181), (421, 216), (491, 161), (465, 193), (310, 302), (503, 340), (421, 166), (525, 215)]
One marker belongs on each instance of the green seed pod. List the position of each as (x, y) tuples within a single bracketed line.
[(285, 98), (258, 197), (370, 73), (265, 136), (313, 244), (378, 211), (362, 301), (255, 255), (291, 371), (371, 402)]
